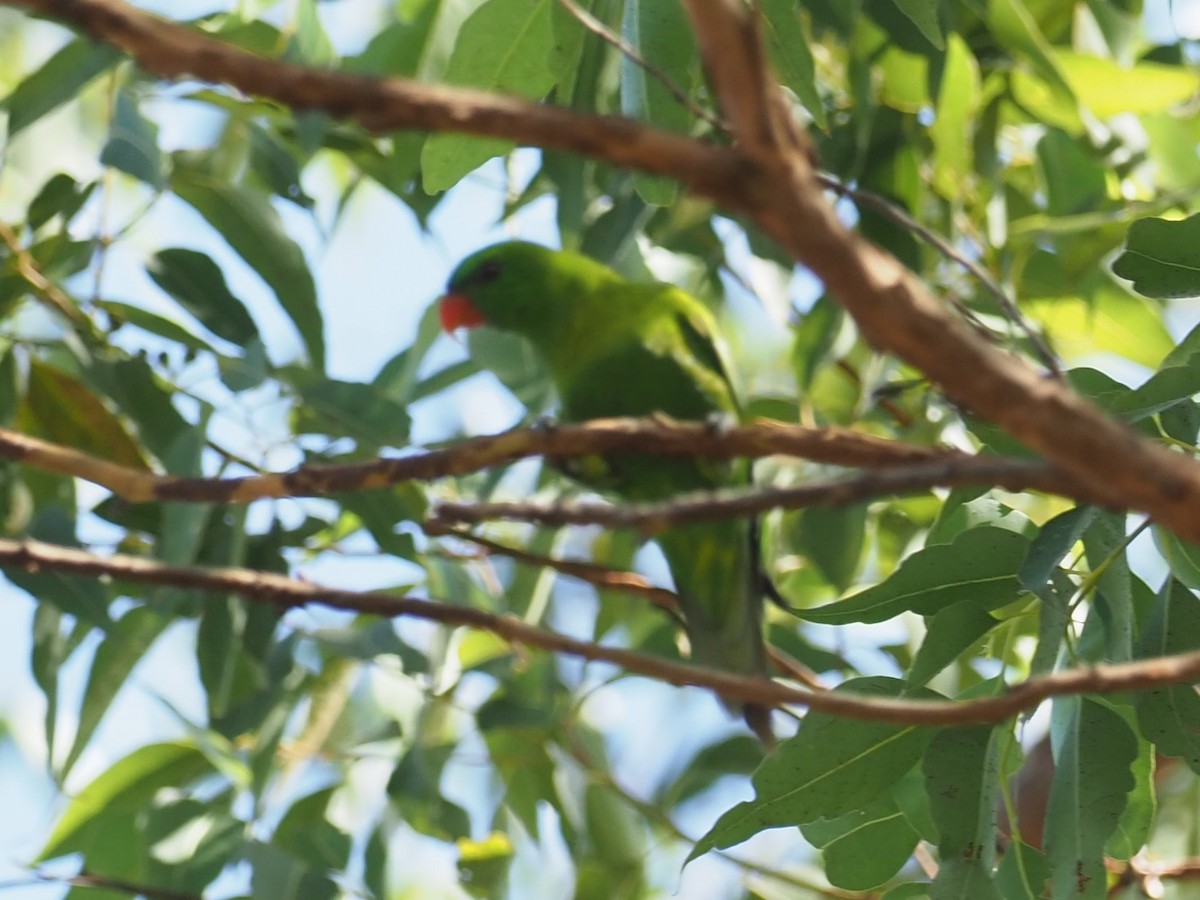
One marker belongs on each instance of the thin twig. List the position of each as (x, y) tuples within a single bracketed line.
[(651, 518), (601, 577), (604, 578), (890, 210), (46, 290), (602, 31)]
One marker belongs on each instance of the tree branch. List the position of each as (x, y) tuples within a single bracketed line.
[(288, 593), (655, 435), (388, 104), (651, 518)]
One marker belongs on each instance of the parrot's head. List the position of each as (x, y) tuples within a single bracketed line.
[(508, 286)]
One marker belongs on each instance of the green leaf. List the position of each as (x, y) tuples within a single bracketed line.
[(1023, 872), (1018, 32), (248, 222), (962, 768), (969, 508), (60, 196), (1133, 831), (515, 364), (133, 143), (309, 43), (397, 48), (863, 849), (737, 755), (504, 47), (980, 567), (1053, 542), (791, 53), (47, 655), (350, 409), (924, 15), (122, 648), (948, 633), (399, 377), (1160, 257), (278, 167), (1108, 88), (813, 339), (414, 788), (198, 285), (1074, 180), (1092, 780), (616, 832), (123, 314), (832, 539), (1169, 716), (660, 32), (952, 132), (306, 833), (830, 768), (382, 509), (275, 874), (1105, 546), (1109, 318), (60, 79), (147, 400), (123, 791)]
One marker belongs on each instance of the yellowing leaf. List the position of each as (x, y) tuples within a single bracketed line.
[(62, 409), (1114, 321), (1108, 88)]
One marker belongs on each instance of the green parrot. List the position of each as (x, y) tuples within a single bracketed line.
[(619, 348)]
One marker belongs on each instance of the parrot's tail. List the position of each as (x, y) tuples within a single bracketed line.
[(716, 570)]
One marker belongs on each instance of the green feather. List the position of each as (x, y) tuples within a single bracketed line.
[(618, 348)]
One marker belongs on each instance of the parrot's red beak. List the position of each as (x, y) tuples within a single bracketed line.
[(456, 311)]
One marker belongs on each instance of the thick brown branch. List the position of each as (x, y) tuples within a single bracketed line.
[(288, 593), (389, 104), (729, 35), (658, 435), (651, 518)]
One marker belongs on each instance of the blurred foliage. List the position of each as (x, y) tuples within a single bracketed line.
[(342, 755)]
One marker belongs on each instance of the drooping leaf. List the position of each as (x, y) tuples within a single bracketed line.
[(133, 143), (789, 45), (979, 567), (122, 648), (198, 284), (1170, 715), (248, 222), (124, 790), (1091, 783), (864, 848), (505, 47), (61, 409), (961, 767), (659, 31), (60, 79), (831, 767), (1160, 259)]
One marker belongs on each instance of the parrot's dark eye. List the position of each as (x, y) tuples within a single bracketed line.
[(488, 272)]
